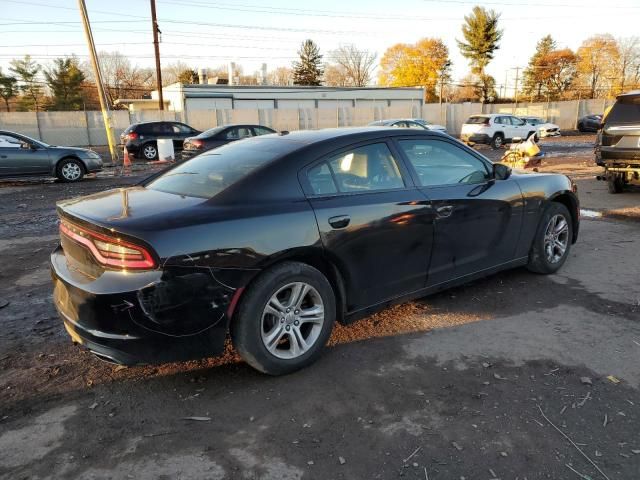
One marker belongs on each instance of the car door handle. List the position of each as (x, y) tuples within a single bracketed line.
[(339, 221), (445, 211)]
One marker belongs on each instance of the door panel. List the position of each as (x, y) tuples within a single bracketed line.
[(383, 250), (477, 219), (372, 222), (16, 160)]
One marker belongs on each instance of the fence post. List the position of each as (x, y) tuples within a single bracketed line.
[(86, 124), (38, 126)]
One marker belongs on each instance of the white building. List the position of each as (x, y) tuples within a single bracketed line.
[(206, 97)]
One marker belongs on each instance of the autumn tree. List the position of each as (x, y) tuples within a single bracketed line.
[(308, 70), (535, 76), (281, 76), (65, 80), (481, 39), (28, 73), (354, 65), (597, 59), (179, 72), (423, 64), (561, 71), (8, 88)]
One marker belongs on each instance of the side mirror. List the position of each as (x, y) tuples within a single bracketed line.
[(501, 171)]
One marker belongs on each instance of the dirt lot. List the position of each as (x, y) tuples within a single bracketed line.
[(515, 376)]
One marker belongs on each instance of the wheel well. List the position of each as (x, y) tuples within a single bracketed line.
[(569, 202), (328, 269), (71, 157)]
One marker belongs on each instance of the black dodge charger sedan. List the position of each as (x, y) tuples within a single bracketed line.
[(275, 238), (218, 136)]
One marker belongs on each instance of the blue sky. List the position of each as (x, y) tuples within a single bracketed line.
[(210, 33)]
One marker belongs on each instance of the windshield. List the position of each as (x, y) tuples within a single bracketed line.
[(478, 120), (625, 110), (212, 172)]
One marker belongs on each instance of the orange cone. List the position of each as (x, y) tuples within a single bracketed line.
[(127, 160)]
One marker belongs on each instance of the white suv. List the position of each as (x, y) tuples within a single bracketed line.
[(494, 129)]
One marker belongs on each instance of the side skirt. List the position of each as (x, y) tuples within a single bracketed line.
[(355, 315)]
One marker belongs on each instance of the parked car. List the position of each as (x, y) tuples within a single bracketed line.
[(409, 123), (618, 142), (24, 156), (494, 129), (141, 138), (543, 128), (275, 238), (216, 137), (589, 123)]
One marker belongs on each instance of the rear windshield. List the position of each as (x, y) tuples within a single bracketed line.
[(478, 120), (625, 110), (208, 174)]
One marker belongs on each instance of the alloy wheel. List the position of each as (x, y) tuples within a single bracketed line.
[(150, 152), (71, 171), (292, 320), (556, 238)]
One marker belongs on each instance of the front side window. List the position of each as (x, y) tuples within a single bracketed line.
[(262, 130), (442, 163), (367, 168)]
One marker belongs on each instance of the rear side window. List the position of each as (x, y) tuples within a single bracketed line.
[(362, 169), (478, 120), (625, 110), (210, 173)]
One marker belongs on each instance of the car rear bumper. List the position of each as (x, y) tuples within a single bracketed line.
[(141, 318), (187, 154), (475, 138), (614, 153)]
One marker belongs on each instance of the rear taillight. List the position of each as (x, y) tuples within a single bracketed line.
[(197, 143), (132, 136), (107, 250)]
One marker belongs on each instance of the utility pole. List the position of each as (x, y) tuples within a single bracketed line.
[(516, 90), (156, 47), (104, 105)]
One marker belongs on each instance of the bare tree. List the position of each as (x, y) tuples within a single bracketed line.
[(628, 61), (121, 78), (357, 65), (335, 76), (175, 72), (281, 76)]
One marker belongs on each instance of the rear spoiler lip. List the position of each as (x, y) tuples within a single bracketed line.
[(91, 224)]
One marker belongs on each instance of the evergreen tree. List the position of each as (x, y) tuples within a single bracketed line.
[(308, 71), (27, 72), (536, 75), (8, 88), (481, 39), (65, 81), (188, 76)]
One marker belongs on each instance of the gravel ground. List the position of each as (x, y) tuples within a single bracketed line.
[(515, 376)]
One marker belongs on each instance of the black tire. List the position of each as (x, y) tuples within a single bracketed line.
[(149, 151), (70, 170), (539, 261), (247, 324), (615, 184), (581, 128), (497, 141)]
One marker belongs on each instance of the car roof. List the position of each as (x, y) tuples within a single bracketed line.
[(631, 94), (308, 137)]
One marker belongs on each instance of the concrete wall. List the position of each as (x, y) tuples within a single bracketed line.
[(87, 128)]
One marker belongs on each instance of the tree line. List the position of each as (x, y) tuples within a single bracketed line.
[(602, 66)]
